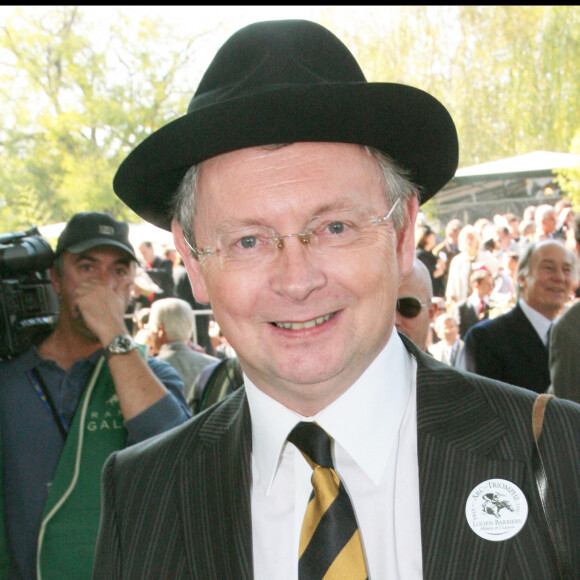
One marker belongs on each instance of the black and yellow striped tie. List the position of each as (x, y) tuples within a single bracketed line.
[(330, 543)]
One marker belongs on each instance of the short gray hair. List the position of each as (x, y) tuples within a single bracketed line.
[(176, 315), (467, 231), (397, 184), (442, 318), (542, 211)]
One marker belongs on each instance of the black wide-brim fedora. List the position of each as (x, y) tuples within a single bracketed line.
[(288, 81)]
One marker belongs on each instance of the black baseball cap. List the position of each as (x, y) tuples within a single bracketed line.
[(89, 229)]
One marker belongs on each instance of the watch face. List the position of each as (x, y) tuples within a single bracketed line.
[(124, 342), (121, 344)]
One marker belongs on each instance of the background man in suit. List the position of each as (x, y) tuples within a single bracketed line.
[(448, 246), (450, 346), (476, 308), (513, 347), (415, 309), (159, 269), (300, 249), (171, 328)]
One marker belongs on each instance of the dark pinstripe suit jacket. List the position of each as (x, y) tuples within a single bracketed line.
[(178, 505)]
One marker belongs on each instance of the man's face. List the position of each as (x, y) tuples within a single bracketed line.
[(549, 222), (471, 244), (304, 326), (448, 331), (514, 228), (106, 264), (484, 286), (548, 285), (416, 284), (454, 236)]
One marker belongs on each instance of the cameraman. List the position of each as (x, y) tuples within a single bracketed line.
[(66, 405)]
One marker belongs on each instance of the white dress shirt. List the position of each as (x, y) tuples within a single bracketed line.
[(450, 353), (374, 426), (540, 323), (475, 300)]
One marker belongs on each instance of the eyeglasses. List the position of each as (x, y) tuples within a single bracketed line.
[(325, 234), (409, 306)]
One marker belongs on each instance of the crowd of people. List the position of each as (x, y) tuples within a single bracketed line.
[(502, 288), (494, 244), (326, 427)]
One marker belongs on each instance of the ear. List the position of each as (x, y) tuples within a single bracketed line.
[(432, 310), (522, 280), (406, 239), (191, 264), (161, 334), (55, 280)]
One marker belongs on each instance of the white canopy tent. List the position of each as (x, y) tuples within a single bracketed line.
[(500, 186)]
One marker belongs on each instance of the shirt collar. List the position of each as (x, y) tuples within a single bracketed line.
[(475, 300), (364, 421), (540, 323), (32, 358)]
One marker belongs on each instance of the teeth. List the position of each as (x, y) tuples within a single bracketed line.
[(302, 325)]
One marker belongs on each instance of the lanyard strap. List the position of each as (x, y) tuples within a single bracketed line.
[(44, 396)]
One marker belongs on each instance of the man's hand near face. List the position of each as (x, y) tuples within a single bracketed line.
[(97, 287), (102, 305)]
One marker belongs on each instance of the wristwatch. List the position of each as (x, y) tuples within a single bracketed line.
[(121, 344)]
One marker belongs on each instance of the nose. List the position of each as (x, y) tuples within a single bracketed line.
[(296, 272), (106, 276)]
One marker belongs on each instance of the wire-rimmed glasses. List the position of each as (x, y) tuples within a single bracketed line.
[(256, 245)]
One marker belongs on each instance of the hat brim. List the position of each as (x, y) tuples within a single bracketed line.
[(407, 123), (95, 242)]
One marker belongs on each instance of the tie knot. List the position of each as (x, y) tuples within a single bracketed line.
[(313, 441)]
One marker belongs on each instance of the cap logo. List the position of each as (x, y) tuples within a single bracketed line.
[(106, 230)]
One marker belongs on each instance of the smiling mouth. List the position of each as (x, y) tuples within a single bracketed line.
[(307, 324)]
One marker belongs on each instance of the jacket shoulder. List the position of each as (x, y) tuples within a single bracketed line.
[(202, 430), (451, 399)]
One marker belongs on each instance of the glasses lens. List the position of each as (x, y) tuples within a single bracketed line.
[(408, 306), (325, 234)]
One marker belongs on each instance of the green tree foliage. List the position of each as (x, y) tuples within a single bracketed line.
[(569, 179), (519, 80), (74, 103), (509, 75), (77, 97)]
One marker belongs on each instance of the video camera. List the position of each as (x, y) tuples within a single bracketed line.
[(28, 303)]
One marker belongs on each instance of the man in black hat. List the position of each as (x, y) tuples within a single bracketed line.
[(65, 405), (292, 186)]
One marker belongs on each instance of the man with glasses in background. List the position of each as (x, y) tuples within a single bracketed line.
[(291, 187), (415, 308)]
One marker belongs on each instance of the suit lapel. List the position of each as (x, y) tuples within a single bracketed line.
[(459, 436), (215, 488), (459, 442)]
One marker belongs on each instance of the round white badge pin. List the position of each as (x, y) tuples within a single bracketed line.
[(496, 509)]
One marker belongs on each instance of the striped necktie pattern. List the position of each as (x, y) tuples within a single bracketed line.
[(330, 542)]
